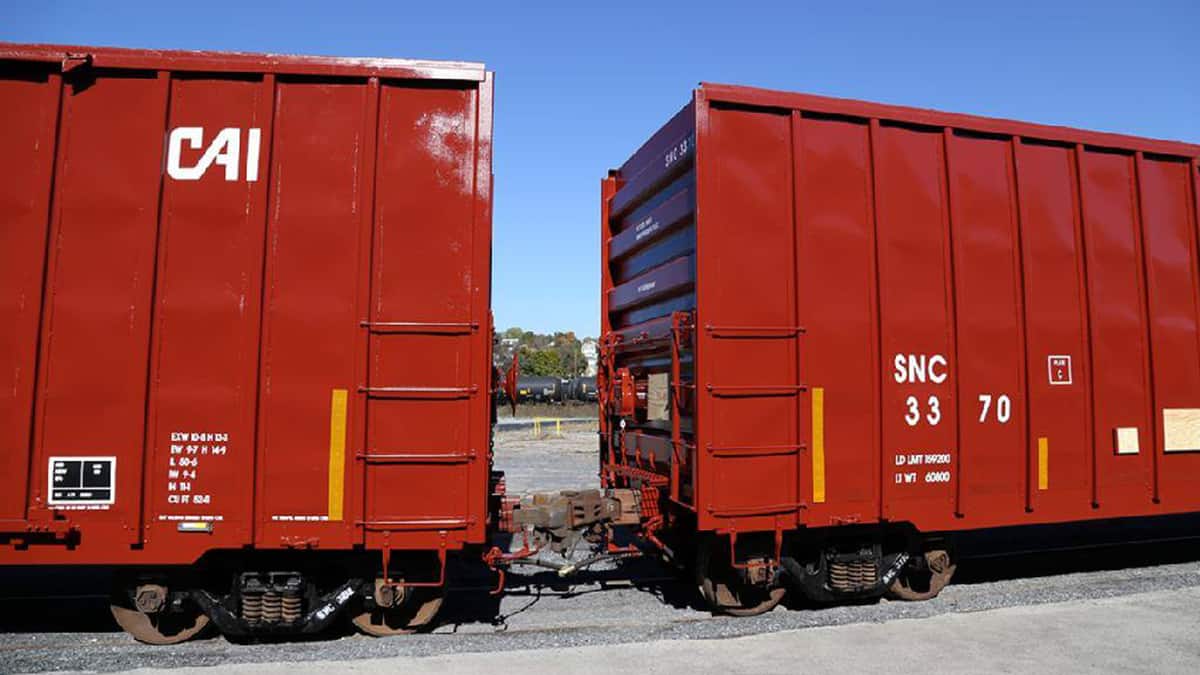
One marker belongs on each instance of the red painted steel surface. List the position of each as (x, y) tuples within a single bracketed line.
[(904, 315), (25, 203), (838, 220), (254, 291)]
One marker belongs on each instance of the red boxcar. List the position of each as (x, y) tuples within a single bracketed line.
[(246, 310), (836, 331)]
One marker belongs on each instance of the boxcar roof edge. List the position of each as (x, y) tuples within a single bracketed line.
[(755, 96), (218, 61)]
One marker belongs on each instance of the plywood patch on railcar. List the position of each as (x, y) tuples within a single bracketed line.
[(1181, 430)]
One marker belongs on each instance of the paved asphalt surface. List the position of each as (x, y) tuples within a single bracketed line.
[(1077, 608)]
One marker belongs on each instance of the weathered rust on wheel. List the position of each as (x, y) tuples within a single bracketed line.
[(725, 592), (926, 582), (144, 614), (399, 610)]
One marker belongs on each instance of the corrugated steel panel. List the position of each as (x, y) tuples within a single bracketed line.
[(265, 301), (1001, 319), (27, 151)]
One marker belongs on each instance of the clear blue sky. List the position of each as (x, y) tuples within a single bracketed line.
[(580, 85)]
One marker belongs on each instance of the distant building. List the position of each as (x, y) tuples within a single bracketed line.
[(591, 352), (502, 354)]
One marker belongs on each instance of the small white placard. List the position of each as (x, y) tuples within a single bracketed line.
[(1059, 367), (1127, 441)]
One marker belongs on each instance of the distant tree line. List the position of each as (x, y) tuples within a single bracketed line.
[(556, 355)]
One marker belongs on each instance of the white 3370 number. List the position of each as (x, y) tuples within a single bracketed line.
[(1003, 407), (933, 411)]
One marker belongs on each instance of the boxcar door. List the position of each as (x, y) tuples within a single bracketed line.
[(420, 387), (749, 394)]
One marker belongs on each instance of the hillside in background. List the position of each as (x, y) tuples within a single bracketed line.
[(558, 355)]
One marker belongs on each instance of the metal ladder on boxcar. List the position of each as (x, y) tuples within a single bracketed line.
[(437, 525)]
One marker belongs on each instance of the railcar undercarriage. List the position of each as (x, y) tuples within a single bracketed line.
[(262, 595), (570, 531)]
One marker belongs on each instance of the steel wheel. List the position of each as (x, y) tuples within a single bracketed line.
[(724, 592), (923, 584), (414, 612), (160, 628)]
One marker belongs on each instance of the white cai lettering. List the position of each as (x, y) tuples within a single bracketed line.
[(225, 150)]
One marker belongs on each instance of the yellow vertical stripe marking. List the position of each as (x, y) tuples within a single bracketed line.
[(337, 453), (818, 444), (1043, 463)]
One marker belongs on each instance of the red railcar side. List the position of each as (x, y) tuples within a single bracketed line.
[(250, 306), (846, 315)]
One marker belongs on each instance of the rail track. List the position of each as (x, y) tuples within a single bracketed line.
[(604, 610)]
